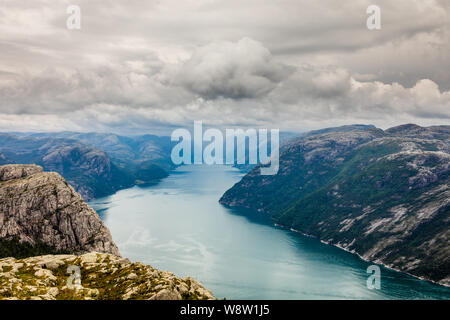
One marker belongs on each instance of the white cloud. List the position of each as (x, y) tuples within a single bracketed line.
[(244, 69), (288, 64)]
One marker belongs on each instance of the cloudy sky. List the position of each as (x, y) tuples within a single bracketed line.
[(148, 66)]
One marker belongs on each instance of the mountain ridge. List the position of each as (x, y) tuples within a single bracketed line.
[(47, 231), (383, 195), (91, 171)]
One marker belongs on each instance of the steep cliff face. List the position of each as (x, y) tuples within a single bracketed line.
[(101, 277), (41, 213), (41, 209), (384, 195)]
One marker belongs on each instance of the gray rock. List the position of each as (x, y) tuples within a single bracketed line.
[(102, 277), (41, 207), (16, 171)]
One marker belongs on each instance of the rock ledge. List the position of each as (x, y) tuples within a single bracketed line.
[(103, 277)]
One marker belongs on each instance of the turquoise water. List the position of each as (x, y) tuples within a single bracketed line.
[(178, 225)]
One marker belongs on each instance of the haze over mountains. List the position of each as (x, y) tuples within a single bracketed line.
[(121, 148), (99, 164), (95, 164)]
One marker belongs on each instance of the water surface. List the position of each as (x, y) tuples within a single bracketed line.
[(178, 225)]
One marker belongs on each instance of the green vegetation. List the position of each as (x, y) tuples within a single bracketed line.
[(384, 197), (103, 277), (14, 248)]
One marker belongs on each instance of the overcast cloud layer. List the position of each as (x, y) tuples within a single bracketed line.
[(141, 66)]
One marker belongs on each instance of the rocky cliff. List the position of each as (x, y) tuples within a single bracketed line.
[(101, 277), (384, 195), (41, 209), (41, 213)]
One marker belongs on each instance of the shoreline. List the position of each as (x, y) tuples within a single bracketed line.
[(157, 181), (361, 257)]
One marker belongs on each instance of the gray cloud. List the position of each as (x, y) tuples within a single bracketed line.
[(244, 69), (291, 64)]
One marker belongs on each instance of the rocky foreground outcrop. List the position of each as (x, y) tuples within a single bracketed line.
[(102, 277), (41, 213), (41, 209)]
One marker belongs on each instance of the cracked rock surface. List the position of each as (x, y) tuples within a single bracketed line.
[(38, 207), (102, 277)]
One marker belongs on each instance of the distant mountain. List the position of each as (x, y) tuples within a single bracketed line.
[(138, 153), (136, 149), (285, 137), (89, 170), (384, 195), (347, 128)]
